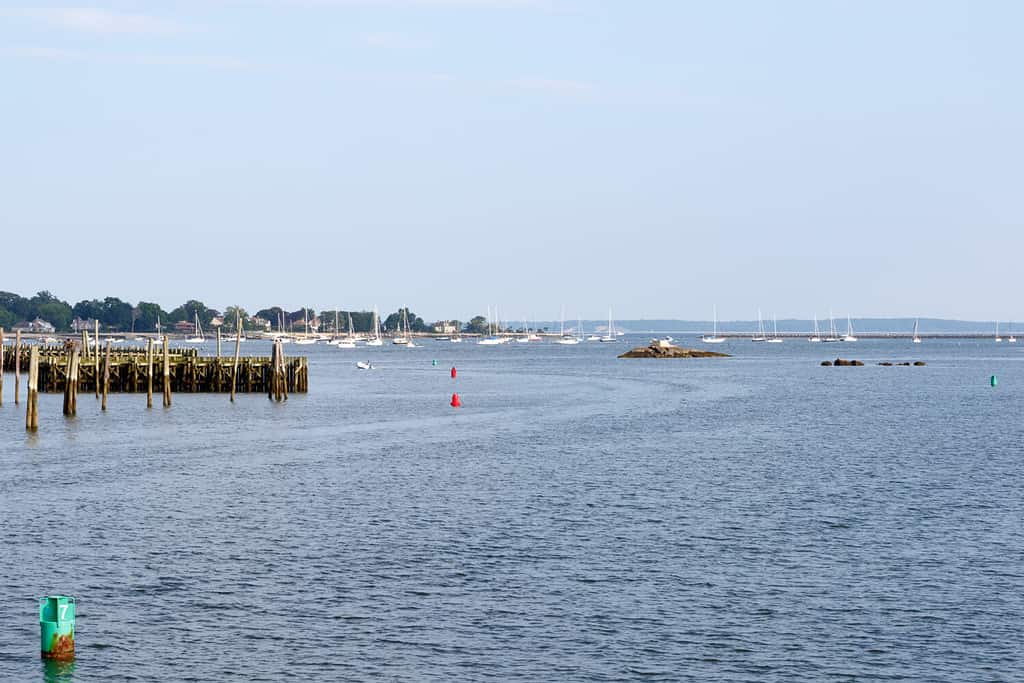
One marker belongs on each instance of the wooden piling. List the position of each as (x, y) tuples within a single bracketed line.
[(32, 409), (167, 373), (66, 409), (76, 363), (284, 375), (149, 373), (71, 384), (17, 366), (96, 358), (238, 351), (106, 377)]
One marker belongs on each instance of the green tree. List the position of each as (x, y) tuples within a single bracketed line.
[(416, 323), (116, 314), (86, 310), (16, 305), (476, 325), (230, 318), (57, 313), (146, 316), (274, 314), (189, 310)]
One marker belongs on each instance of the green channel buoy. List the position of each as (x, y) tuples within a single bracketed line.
[(434, 362), (57, 627), (994, 381)]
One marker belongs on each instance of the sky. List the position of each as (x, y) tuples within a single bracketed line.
[(657, 157)]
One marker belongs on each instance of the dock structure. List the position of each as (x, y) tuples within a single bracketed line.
[(183, 371)]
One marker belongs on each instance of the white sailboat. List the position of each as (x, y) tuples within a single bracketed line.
[(1011, 338), (400, 338), (306, 339), (610, 333), (833, 336), (915, 339), (197, 336), (492, 338), (775, 338), (375, 340), (348, 342), (565, 339), (759, 336), (282, 336), (816, 337), (714, 338), (849, 331), (998, 338)]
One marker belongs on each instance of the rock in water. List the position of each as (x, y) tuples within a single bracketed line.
[(664, 350)]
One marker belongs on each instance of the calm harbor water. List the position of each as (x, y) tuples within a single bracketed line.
[(580, 518)]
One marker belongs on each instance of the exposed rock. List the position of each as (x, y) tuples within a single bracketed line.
[(886, 364), (826, 363), (663, 350), (919, 363), (839, 362)]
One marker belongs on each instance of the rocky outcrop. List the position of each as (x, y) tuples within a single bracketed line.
[(662, 350), (842, 362)]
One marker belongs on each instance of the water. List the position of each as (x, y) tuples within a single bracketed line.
[(580, 518)]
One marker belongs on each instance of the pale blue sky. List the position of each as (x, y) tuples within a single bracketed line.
[(656, 157)]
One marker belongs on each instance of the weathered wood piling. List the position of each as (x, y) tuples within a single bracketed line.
[(17, 366), (32, 409), (149, 373)]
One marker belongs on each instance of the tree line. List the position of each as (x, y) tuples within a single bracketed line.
[(116, 315)]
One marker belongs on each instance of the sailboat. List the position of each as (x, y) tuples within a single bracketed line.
[(306, 339), (759, 336), (197, 337), (525, 339), (492, 338), (775, 338), (849, 331), (816, 337), (375, 340), (565, 339), (1011, 338), (998, 338), (404, 338), (714, 338), (833, 336), (915, 339), (348, 342), (610, 333), (282, 336)]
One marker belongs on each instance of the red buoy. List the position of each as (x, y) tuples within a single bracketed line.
[(456, 403), (453, 372)]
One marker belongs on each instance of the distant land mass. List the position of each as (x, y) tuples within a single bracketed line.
[(926, 326)]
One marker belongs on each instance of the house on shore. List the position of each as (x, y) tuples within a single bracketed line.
[(37, 326)]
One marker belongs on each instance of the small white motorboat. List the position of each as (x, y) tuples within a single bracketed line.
[(364, 365)]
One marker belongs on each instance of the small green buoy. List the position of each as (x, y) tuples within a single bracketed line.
[(57, 627), (434, 362), (994, 381)]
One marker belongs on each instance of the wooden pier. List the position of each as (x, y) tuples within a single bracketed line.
[(129, 370)]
